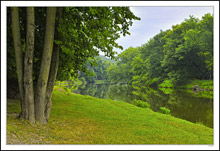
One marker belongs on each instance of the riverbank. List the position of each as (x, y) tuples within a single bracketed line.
[(206, 85), (78, 119)]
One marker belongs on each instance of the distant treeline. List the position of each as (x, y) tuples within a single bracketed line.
[(97, 70), (182, 53)]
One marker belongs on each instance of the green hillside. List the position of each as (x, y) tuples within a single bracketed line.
[(78, 119)]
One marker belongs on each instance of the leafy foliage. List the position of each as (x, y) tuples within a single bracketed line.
[(166, 84), (122, 70), (87, 30), (98, 71), (84, 31), (165, 110), (171, 57)]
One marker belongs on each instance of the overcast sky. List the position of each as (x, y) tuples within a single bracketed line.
[(154, 19)]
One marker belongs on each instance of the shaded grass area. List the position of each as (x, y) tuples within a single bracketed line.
[(78, 119)]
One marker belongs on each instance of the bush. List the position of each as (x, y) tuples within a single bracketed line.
[(140, 103), (68, 91), (167, 90), (164, 110), (166, 84)]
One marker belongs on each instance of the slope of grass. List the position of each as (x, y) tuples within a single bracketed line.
[(78, 119)]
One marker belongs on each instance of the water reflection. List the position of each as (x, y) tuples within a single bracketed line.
[(184, 104)]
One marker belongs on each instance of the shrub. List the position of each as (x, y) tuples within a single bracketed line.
[(164, 110), (166, 84), (167, 90), (140, 103), (68, 91)]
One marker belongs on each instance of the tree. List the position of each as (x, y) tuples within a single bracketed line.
[(40, 94), (182, 53), (121, 71), (98, 71), (183, 45), (18, 55), (80, 33), (28, 67)]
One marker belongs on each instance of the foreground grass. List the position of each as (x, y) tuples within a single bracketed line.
[(77, 119)]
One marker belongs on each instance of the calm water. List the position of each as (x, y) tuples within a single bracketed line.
[(184, 104)]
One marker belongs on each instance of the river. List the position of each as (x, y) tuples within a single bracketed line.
[(192, 106)]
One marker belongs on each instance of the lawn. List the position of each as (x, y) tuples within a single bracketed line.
[(78, 119)]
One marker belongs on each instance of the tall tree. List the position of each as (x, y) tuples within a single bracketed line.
[(28, 66), (41, 89), (18, 55), (53, 68), (182, 53), (80, 33)]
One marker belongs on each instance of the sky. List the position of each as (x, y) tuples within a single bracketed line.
[(154, 19)]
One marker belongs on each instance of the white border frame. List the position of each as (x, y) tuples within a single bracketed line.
[(214, 4)]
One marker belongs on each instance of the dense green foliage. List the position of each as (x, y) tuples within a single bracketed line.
[(78, 119), (140, 103), (166, 84), (121, 70), (165, 110), (98, 71), (171, 57), (83, 32)]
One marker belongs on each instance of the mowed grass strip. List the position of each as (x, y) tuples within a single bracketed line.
[(78, 119)]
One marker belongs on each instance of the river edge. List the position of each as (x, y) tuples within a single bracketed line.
[(78, 119)]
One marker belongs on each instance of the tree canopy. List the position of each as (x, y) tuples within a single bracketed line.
[(182, 53), (63, 40)]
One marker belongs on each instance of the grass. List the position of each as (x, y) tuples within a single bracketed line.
[(78, 119)]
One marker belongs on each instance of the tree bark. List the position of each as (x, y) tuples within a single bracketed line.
[(53, 68), (18, 56), (45, 66), (28, 66)]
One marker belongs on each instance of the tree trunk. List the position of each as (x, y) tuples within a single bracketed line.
[(18, 56), (45, 66), (53, 68), (28, 66)]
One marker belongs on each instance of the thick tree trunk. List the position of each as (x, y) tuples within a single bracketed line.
[(45, 66), (28, 66), (18, 56), (53, 68)]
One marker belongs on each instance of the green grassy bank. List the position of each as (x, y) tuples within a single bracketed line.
[(202, 84), (78, 119)]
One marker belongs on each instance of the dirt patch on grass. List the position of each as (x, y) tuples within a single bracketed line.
[(60, 89)]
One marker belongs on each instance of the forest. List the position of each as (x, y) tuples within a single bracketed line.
[(80, 32), (170, 58)]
